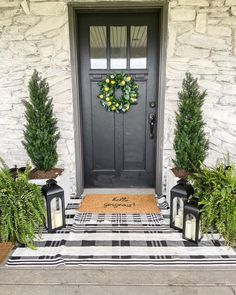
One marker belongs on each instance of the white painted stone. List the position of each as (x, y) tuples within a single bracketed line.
[(219, 14), (229, 89), (231, 21), (29, 20), (23, 48), (3, 44), (171, 41), (194, 2), (200, 71), (8, 4), (233, 10), (192, 52), (217, 3), (48, 8), (46, 50), (211, 87), (203, 41), (182, 14), (225, 64), (225, 78), (184, 27), (204, 63), (224, 134), (219, 30), (230, 2), (12, 33), (223, 56), (228, 100), (201, 23), (234, 43), (213, 21), (45, 25)]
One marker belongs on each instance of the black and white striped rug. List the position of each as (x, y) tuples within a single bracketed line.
[(120, 239)]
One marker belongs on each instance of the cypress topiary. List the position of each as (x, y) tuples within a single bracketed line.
[(190, 143), (40, 135)]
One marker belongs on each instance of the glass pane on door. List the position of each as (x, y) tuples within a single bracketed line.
[(138, 47), (98, 48), (118, 44)]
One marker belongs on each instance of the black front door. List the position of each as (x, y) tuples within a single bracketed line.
[(119, 149)]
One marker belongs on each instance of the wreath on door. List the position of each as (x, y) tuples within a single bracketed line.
[(111, 85)]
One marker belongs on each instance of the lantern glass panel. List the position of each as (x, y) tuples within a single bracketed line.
[(178, 207), (56, 213)]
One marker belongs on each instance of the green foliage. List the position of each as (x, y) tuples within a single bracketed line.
[(40, 133), (22, 210), (216, 188), (190, 143)]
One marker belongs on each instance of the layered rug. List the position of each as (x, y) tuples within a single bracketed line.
[(91, 239)]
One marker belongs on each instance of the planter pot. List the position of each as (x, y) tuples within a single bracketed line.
[(5, 249), (181, 173), (62, 180)]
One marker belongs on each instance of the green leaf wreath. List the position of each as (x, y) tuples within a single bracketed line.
[(108, 88)]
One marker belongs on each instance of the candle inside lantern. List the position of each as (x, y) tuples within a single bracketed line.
[(177, 221), (57, 218), (188, 229)]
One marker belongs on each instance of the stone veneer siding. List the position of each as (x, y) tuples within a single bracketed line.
[(201, 39)]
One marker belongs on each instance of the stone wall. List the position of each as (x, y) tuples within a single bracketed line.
[(201, 39)]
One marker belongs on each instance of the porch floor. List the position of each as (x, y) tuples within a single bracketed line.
[(120, 239)]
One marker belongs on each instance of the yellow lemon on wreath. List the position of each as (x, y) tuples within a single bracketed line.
[(127, 108), (107, 80), (109, 103), (117, 105), (129, 78), (122, 82), (101, 96), (113, 82), (106, 89), (107, 98), (113, 108)]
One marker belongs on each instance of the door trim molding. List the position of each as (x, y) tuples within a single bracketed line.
[(73, 9)]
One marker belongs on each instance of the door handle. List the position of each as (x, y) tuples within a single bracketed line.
[(152, 122)]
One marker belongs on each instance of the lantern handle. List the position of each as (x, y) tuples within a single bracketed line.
[(51, 182)]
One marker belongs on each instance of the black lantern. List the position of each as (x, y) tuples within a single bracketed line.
[(178, 194), (191, 222), (55, 205)]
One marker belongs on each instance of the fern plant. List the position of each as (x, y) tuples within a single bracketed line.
[(22, 210), (216, 188)]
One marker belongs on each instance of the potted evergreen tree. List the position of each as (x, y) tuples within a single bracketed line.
[(41, 134), (190, 142)]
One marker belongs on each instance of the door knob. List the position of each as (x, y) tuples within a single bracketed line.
[(152, 122)]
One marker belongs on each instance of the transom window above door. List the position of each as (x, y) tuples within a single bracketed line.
[(118, 47)]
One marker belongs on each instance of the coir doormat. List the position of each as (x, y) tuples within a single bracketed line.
[(119, 203)]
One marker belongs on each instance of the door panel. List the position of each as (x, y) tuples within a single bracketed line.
[(118, 150)]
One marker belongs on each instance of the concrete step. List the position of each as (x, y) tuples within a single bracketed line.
[(114, 290), (118, 277)]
